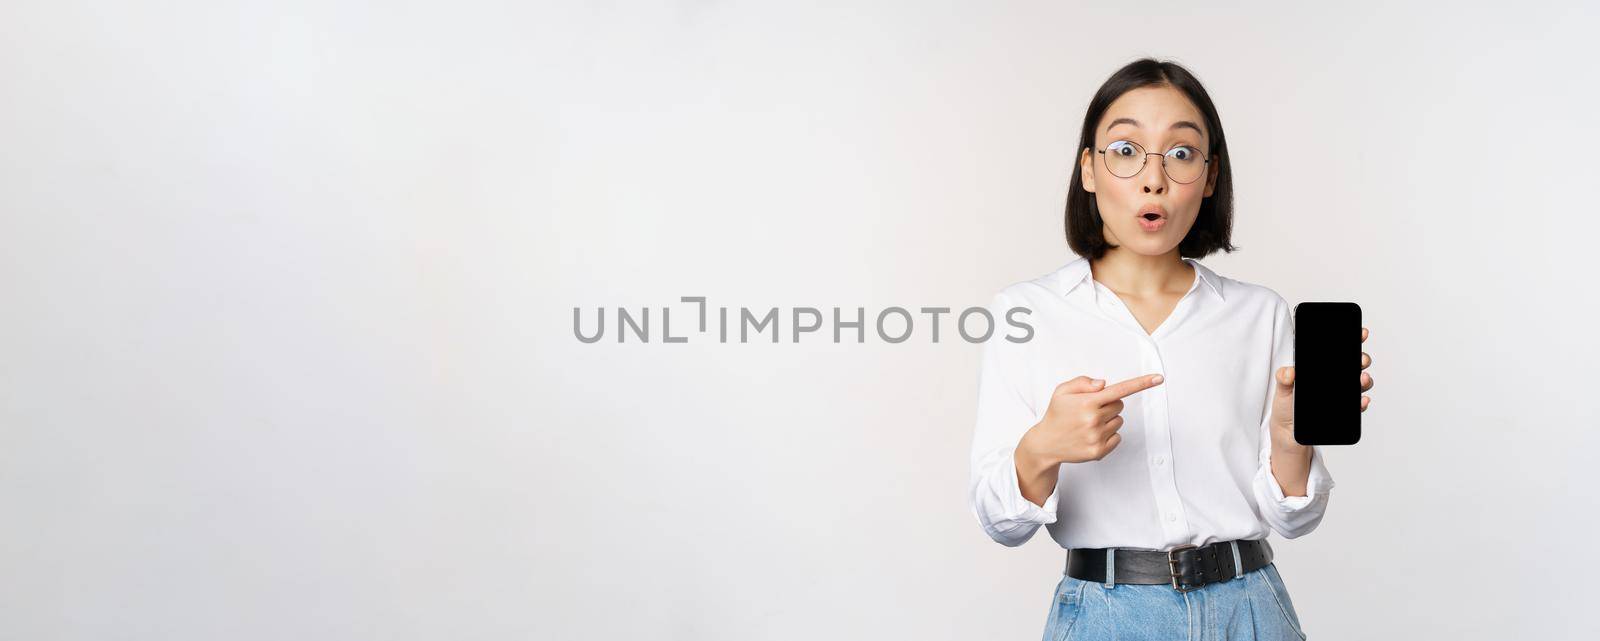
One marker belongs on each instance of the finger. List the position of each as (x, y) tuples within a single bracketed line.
[(1111, 443), (1363, 334), (1365, 360), (1080, 385), (1365, 401), (1366, 381), (1127, 387), (1108, 410)]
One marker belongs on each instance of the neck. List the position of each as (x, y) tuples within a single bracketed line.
[(1135, 274)]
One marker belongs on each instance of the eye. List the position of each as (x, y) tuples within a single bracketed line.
[(1122, 148), (1184, 153)]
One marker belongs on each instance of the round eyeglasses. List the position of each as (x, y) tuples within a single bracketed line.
[(1183, 164)]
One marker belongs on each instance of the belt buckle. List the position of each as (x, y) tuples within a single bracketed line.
[(1172, 567)]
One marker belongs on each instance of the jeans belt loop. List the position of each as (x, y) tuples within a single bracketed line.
[(1111, 568)]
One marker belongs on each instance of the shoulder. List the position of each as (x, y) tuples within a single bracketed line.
[(1251, 296), (1034, 293), (1046, 287), (1027, 291)]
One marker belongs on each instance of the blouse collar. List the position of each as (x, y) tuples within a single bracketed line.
[(1077, 272)]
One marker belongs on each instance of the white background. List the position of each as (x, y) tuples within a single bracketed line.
[(286, 341)]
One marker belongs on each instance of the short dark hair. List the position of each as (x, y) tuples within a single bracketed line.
[(1213, 228)]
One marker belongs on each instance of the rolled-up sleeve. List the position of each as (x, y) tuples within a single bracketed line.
[(1004, 415), (1289, 516)]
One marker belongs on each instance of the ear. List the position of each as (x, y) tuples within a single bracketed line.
[(1212, 169), (1086, 169)]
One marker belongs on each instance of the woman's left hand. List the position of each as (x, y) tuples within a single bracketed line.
[(1283, 401)]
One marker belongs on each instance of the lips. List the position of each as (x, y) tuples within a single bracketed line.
[(1152, 217), (1152, 213)]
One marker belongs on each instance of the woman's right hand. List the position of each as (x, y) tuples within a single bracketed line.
[(1082, 421)]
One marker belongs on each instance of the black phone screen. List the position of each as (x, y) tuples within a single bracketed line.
[(1327, 373)]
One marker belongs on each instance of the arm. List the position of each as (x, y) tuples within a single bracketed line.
[(1036, 474), (1291, 488), (1291, 466), (1002, 470), (1292, 483)]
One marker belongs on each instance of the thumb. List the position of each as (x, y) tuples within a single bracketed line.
[(1081, 385), (1285, 380)]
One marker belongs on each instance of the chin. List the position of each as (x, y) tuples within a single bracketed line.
[(1149, 245), (1153, 248)]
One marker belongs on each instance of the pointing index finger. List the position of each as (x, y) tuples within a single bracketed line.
[(1128, 387)]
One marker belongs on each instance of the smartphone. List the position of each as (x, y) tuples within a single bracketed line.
[(1327, 373)]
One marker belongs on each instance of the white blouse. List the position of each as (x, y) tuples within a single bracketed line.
[(1194, 463)]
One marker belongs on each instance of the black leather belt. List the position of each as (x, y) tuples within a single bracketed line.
[(1185, 567)]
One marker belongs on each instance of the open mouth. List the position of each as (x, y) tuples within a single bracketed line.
[(1152, 217)]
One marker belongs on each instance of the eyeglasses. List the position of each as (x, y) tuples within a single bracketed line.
[(1183, 164)]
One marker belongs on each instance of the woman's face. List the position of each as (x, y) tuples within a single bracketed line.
[(1159, 119)]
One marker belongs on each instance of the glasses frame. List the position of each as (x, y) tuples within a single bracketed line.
[(1145, 160)]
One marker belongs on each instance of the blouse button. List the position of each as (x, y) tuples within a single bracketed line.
[(1159, 460), (1172, 517)]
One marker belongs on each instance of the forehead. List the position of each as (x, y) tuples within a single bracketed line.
[(1155, 107)]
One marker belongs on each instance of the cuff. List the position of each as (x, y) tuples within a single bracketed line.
[(1017, 506), (1317, 482)]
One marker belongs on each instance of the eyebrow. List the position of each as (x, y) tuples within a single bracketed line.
[(1176, 125)]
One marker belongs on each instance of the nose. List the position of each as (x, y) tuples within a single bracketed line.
[(1153, 177)]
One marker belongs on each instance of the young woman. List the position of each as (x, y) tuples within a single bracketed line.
[(1147, 422)]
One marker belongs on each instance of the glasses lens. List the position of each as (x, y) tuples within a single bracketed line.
[(1184, 164), (1124, 158)]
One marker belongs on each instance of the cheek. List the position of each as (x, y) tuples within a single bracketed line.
[(1195, 189), (1115, 194), (1188, 197)]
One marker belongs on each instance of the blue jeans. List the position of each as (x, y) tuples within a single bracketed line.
[(1255, 606)]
